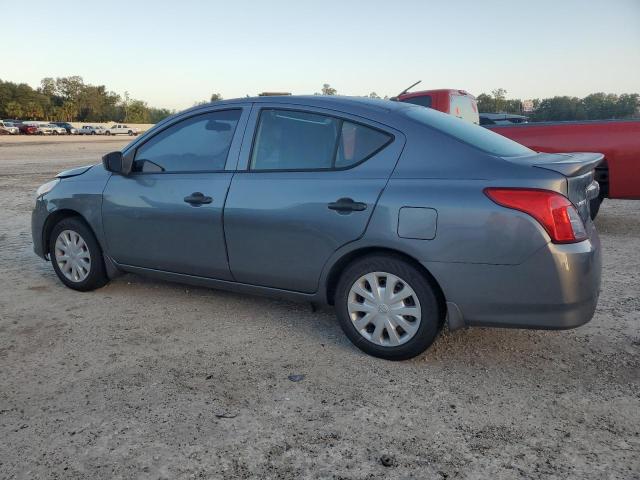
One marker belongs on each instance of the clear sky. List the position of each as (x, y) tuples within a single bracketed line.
[(174, 53)]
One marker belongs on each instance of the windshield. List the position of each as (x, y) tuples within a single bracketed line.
[(474, 135)]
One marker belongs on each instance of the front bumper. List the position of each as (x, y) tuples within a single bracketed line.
[(38, 218), (556, 288)]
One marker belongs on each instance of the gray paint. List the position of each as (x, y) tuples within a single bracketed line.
[(272, 233), (417, 222)]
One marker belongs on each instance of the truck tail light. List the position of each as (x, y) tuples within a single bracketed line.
[(552, 210)]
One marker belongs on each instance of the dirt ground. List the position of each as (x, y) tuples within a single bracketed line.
[(151, 380)]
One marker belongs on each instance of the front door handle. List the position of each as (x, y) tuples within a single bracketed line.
[(346, 205), (198, 198)]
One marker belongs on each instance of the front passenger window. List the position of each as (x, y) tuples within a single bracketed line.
[(199, 143)]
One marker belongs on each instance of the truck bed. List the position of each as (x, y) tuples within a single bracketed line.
[(618, 140)]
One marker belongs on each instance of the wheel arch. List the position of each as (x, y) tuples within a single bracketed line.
[(54, 218), (339, 266)]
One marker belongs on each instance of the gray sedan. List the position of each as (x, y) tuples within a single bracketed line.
[(402, 217)]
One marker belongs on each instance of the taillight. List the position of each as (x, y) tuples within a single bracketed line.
[(552, 210)]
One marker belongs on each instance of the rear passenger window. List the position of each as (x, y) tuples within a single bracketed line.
[(290, 140), (357, 143), (197, 143)]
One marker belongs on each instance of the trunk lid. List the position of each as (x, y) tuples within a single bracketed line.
[(579, 169)]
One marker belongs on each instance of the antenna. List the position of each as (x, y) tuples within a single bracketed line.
[(409, 88)]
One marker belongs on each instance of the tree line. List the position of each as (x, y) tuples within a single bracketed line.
[(70, 99), (596, 106)]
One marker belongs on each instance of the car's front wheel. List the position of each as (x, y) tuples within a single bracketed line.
[(387, 307), (76, 255)]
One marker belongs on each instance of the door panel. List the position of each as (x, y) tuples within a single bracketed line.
[(280, 230), (279, 226), (148, 224), (167, 214)]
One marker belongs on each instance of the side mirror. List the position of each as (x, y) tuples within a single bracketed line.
[(112, 162), (116, 162)]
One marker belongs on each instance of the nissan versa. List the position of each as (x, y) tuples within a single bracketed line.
[(401, 216)]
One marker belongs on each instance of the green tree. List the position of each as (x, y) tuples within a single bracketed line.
[(157, 114), (485, 103), (33, 111), (48, 86), (559, 108), (70, 87), (628, 105), (374, 95), (13, 110), (215, 97), (328, 90), (137, 112), (499, 98)]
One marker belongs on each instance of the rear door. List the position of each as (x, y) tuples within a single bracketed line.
[(307, 184), (167, 214)]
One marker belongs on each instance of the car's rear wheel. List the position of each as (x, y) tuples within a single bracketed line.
[(387, 307), (107, 132), (130, 133), (76, 255)]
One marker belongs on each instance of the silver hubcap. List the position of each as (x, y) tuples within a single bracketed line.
[(384, 309), (72, 256)]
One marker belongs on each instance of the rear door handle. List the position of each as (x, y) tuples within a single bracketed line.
[(198, 198), (347, 205)]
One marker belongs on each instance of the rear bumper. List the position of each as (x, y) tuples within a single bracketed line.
[(556, 288)]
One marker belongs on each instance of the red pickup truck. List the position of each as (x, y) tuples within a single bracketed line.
[(618, 140)]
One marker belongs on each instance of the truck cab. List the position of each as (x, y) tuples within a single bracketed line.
[(458, 103)]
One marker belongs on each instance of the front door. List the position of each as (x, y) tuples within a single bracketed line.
[(167, 214), (311, 184)]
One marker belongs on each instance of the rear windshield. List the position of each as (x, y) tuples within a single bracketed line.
[(474, 135), (464, 107)]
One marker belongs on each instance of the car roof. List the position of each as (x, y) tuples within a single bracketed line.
[(356, 105)]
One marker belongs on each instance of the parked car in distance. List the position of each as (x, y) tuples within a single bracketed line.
[(46, 129), (119, 129), (56, 129), (28, 128), (502, 119), (9, 128), (400, 216), (454, 102), (69, 129), (619, 140), (92, 130)]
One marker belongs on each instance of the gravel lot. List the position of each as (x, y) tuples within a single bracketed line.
[(146, 379)]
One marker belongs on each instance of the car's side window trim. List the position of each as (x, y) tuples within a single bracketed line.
[(181, 119), (333, 168)]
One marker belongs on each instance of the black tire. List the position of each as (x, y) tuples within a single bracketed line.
[(130, 133), (594, 206), (97, 276), (108, 132), (93, 133), (432, 315)]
